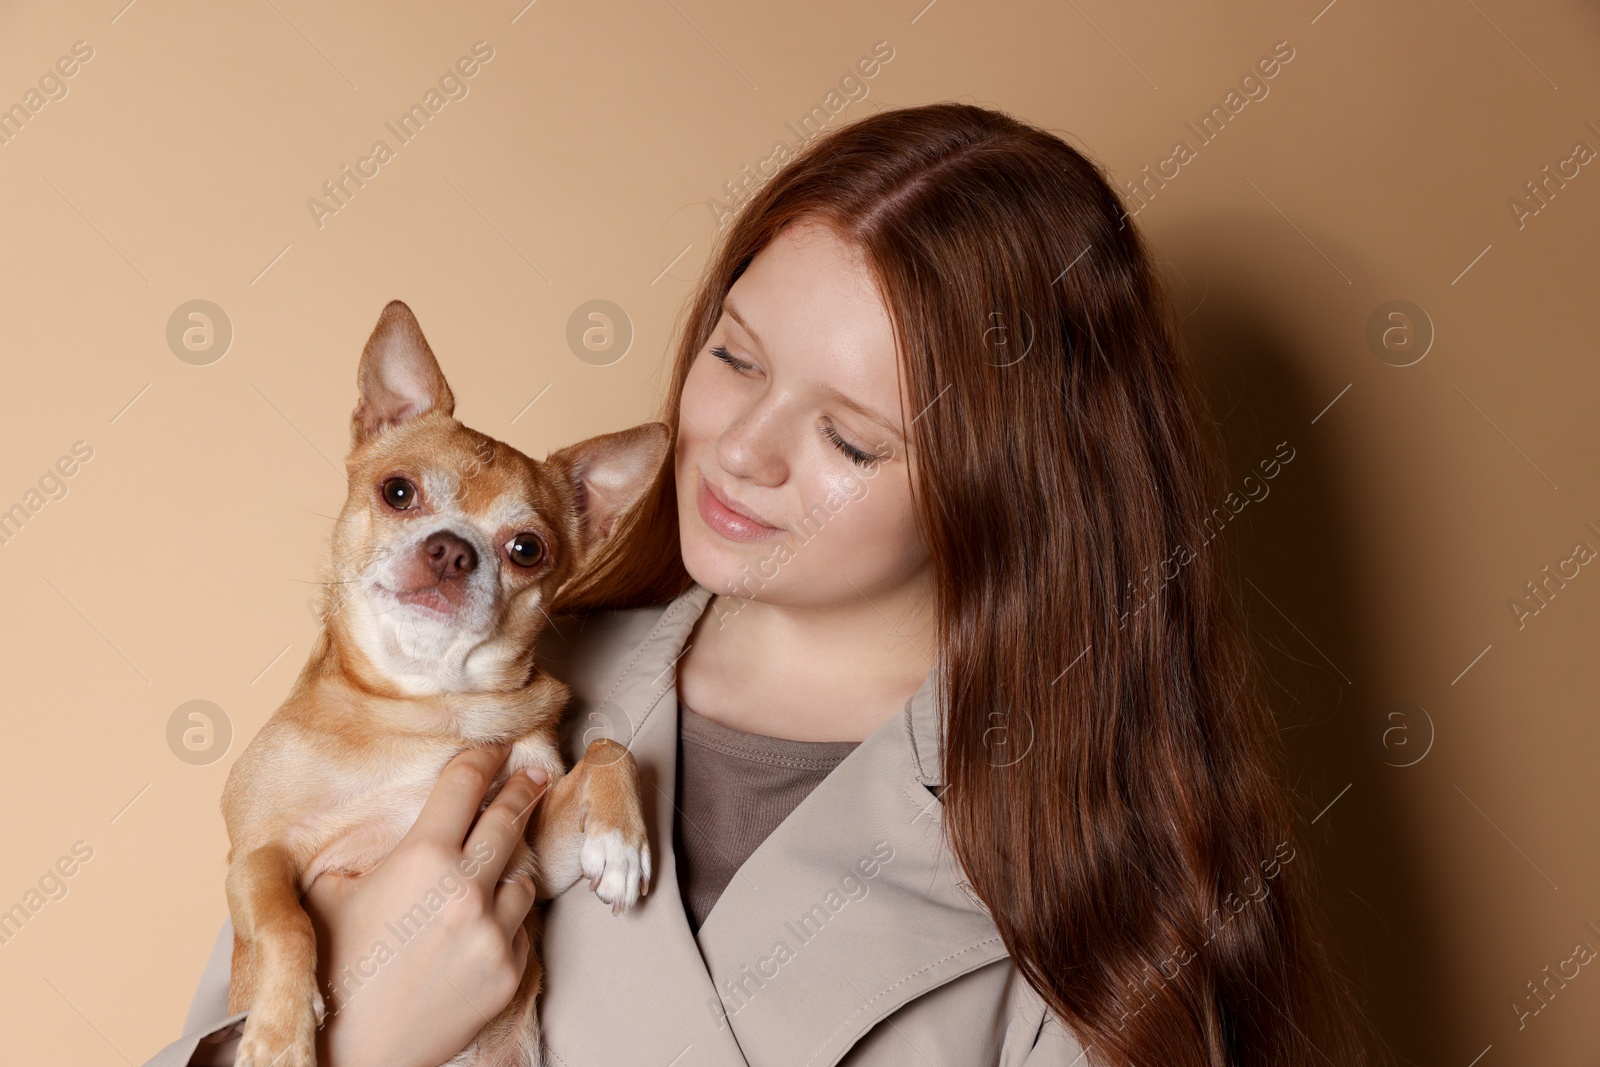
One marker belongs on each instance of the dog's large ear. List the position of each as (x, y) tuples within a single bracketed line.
[(608, 475), (399, 378)]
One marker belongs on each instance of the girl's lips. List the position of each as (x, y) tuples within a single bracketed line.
[(727, 522)]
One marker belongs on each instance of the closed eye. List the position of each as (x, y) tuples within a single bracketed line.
[(723, 354), (856, 455)]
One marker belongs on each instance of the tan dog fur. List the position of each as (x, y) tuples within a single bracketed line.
[(393, 690)]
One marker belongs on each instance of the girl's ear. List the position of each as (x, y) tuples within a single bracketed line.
[(607, 476), (399, 378)]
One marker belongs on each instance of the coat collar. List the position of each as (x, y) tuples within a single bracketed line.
[(852, 907)]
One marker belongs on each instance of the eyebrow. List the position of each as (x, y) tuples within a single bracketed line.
[(864, 412)]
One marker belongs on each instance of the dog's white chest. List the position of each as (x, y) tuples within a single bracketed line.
[(368, 812)]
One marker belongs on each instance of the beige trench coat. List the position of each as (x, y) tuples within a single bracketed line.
[(848, 937)]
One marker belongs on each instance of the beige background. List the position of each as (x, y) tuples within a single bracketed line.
[(1380, 568)]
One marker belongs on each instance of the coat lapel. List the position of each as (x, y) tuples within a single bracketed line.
[(852, 907), (656, 1003)]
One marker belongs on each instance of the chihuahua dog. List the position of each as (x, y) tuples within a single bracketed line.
[(450, 552)]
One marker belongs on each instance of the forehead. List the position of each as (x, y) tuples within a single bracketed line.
[(813, 307), (464, 471)]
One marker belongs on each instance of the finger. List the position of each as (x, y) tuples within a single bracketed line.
[(513, 900), (521, 946), (449, 810), (499, 829)]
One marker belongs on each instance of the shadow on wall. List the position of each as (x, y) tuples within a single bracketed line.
[(1296, 539)]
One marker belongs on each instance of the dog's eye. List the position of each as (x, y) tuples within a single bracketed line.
[(525, 550), (399, 493)]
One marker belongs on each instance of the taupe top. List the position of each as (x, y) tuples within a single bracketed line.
[(734, 788)]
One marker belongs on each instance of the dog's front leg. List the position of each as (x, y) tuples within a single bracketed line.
[(592, 824), (279, 986)]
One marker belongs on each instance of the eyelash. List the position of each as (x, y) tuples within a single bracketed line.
[(854, 454), (722, 353), (858, 457)]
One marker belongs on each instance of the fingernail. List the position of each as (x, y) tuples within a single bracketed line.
[(539, 775)]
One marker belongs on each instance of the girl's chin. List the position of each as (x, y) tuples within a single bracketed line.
[(728, 568)]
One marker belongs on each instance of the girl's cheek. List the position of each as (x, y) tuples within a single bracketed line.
[(697, 392), (706, 414)]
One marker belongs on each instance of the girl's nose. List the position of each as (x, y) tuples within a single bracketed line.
[(754, 448)]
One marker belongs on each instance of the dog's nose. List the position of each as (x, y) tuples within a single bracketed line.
[(449, 555)]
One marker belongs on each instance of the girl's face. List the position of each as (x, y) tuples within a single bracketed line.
[(792, 468)]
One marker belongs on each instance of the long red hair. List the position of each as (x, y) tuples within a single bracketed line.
[(1114, 776)]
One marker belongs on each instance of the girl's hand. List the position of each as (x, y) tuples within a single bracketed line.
[(419, 1002)]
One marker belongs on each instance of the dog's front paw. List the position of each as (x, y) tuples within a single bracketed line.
[(614, 856), (282, 1041), (618, 868)]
